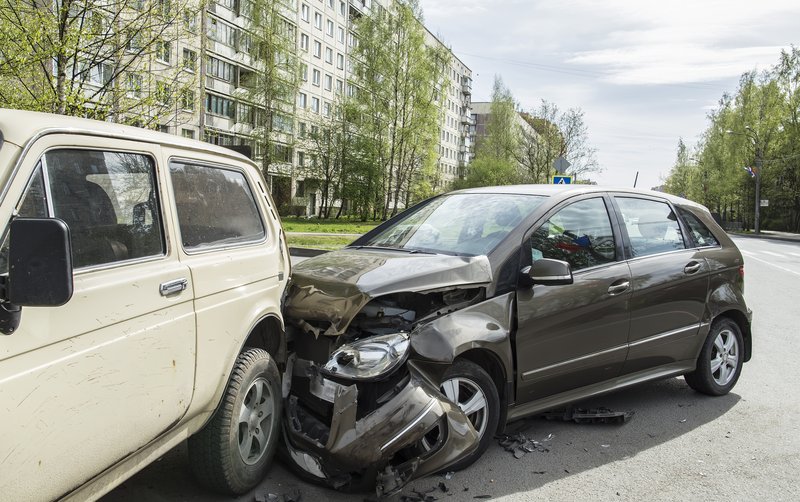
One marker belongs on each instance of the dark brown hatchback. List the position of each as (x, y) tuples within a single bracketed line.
[(423, 338)]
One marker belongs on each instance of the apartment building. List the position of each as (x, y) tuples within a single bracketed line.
[(225, 114)]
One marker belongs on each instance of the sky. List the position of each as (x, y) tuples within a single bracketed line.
[(644, 72)]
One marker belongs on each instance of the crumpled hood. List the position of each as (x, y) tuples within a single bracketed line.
[(335, 286)]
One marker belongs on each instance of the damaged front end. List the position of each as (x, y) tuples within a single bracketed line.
[(363, 407)]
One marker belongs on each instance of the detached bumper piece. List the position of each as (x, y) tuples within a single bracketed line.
[(383, 447)]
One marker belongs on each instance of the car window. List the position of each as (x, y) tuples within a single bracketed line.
[(107, 199), (463, 224), (215, 206), (700, 233), (652, 226), (579, 234)]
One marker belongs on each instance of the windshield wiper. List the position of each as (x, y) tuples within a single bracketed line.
[(387, 248)]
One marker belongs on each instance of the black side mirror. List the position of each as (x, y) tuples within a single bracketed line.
[(39, 263), (549, 272)]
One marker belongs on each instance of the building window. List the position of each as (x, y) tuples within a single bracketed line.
[(163, 93), (304, 72), (187, 100), (187, 133), (328, 82), (189, 61), (301, 129), (219, 69), (304, 42), (304, 12), (217, 105), (134, 85), (164, 51), (340, 60), (315, 105), (315, 77), (342, 8), (339, 86), (317, 20), (317, 49), (301, 159), (340, 34), (326, 109), (328, 55), (329, 28), (301, 100)]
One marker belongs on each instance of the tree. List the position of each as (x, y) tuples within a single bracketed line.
[(273, 85), (555, 134), (115, 60), (495, 161), (397, 97)]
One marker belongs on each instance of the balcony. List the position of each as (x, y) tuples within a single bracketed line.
[(467, 119), (466, 89)]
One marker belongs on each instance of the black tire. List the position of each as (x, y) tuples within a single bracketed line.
[(470, 374), (216, 457), (728, 351)]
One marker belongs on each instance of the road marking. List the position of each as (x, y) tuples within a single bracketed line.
[(779, 255), (773, 265), (795, 254)]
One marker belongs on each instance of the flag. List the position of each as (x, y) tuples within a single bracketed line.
[(751, 170)]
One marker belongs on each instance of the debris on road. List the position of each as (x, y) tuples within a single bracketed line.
[(293, 496), (589, 416), (519, 444)]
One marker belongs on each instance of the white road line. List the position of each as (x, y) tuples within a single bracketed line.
[(795, 254), (779, 255), (773, 265), (748, 253)]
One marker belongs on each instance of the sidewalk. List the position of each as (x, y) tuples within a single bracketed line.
[(770, 234)]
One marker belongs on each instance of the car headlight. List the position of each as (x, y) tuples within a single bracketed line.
[(368, 358)]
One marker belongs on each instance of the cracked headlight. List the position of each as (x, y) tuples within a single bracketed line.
[(369, 358)]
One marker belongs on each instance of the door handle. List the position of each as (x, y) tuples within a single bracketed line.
[(172, 287), (692, 267), (618, 287)]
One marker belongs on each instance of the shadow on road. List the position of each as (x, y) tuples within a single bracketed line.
[(664, 410)]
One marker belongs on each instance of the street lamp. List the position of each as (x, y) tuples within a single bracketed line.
[(759, 161)]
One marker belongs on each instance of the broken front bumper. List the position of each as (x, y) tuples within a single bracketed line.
[(384, 445)]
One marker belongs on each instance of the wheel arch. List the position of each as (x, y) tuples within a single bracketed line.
[(490, 362), (268, 334), (741, 320)]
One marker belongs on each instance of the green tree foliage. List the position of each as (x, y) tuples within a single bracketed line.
[(114, 60), (758, 124), (397, 104), (495, 161), (273, 85)]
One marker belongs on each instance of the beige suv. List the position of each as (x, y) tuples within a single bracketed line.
[(142, 278)]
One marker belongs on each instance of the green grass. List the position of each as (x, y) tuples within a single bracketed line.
[(327, 226), (318, 241)]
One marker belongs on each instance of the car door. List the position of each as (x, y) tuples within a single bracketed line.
[(235, 255), (670, 284), (85, 384), (573, 335)]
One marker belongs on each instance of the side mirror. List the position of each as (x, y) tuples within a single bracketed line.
[(549, 272), (39, 263)]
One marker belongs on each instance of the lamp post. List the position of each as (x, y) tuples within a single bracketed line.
[(758, 151)]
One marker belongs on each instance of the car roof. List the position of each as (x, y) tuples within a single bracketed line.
[(565, 191), (20, 126)]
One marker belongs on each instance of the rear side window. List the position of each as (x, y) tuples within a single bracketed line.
[(652, 226), (215, 206), (701, 235)]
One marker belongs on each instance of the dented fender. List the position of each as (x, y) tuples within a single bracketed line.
[(486, 325)]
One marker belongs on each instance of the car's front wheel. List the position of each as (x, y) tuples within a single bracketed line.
[(720, 362), (235, 449), (472, 389)]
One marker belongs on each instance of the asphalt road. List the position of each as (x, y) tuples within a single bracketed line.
[(680, 445)]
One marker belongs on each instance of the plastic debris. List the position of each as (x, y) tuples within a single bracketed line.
[(589, 415), (519, 444)]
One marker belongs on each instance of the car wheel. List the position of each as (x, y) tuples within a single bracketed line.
[(720, 360), (235, 449), (472, 389)]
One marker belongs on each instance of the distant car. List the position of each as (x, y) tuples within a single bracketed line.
[(423, 338)]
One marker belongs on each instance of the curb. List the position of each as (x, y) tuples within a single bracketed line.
[(306, 252), (767, 236)]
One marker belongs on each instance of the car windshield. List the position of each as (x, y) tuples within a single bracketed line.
[(461, 224)]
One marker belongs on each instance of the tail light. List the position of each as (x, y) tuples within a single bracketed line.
[(741, 271)]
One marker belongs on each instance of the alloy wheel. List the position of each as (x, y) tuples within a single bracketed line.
[(724, 357), (255, 421)]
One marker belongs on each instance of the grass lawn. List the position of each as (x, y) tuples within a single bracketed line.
[(340, 226), (318, 241)]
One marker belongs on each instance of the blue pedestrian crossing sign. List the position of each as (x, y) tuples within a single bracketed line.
[(562, 180)]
